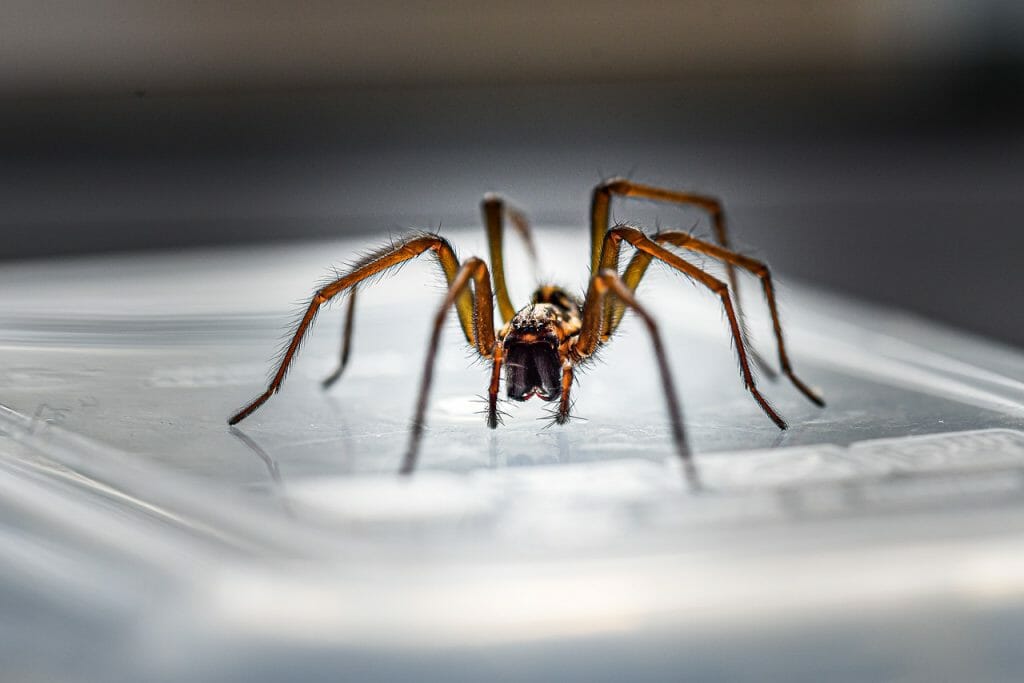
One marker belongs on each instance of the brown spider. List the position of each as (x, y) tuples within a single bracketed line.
[(541, 344)]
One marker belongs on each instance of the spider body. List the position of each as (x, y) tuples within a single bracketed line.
[(537, 345), (540, 344)]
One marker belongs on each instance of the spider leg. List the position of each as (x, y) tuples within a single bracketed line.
[(600, 210), (600, 213), (492, 389), (610, 255), (638, 264), (375, 263), (494, 210), (564, 406), (606, 281), (473, 270), (346, 338)]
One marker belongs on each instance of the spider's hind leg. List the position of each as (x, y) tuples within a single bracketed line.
[(495, 209)]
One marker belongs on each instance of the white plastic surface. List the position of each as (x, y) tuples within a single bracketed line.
[(142, 539)]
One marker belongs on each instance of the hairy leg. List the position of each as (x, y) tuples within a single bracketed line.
[(474, 271), (600, 216), (377, 262), (608, 281), (495, 210), (346, 338), (492, 390), (610, 255), (638, 265), (564, 405)]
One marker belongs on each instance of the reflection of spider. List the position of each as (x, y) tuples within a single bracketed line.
[(541, 344)]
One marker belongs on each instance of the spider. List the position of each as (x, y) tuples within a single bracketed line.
[(541, 344)]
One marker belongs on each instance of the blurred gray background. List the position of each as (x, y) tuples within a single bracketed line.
[(871, 147)]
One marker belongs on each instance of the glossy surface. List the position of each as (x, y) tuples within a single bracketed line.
[(877, 538)]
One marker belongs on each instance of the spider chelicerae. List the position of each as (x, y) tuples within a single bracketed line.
[(540, 345)]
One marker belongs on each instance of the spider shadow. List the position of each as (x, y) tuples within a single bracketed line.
[(272, 468)]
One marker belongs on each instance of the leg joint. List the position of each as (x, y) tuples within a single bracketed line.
[(619, 186), (492, 199), (626, 232), (437, 244)]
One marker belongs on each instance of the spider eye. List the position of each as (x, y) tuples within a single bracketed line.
[(532, 369)]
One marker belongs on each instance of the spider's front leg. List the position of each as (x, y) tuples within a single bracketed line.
[(377, 262), (610, 255), (495, 210), (608, 281), (473, 271)]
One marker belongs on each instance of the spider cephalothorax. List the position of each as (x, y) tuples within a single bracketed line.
[(541, 343), (536, 345)]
